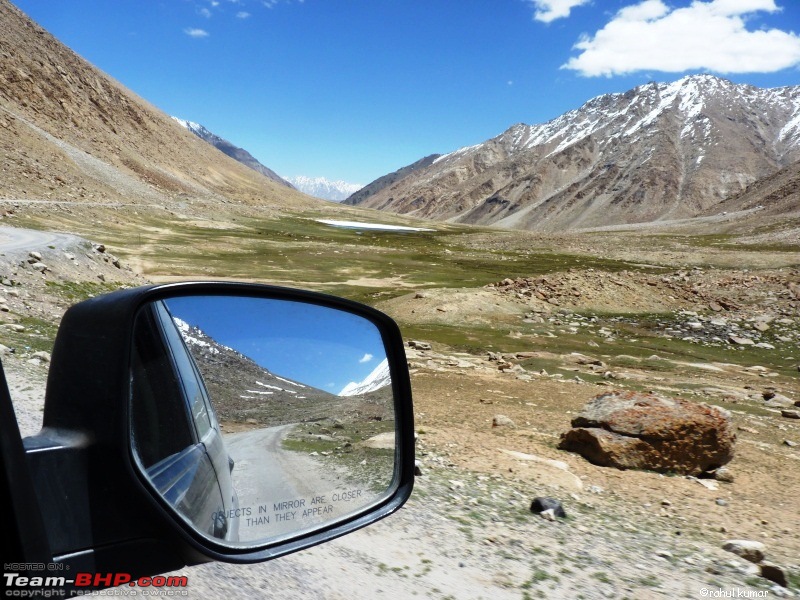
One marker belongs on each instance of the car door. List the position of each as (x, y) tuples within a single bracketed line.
[(178, 442)]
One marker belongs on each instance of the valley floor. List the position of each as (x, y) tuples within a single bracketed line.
[(558, 325)]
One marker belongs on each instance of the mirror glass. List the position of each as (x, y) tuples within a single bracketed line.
[(257, 419)]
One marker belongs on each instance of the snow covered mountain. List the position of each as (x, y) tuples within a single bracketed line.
[(320, 187), (236, 153), (661, 150), (376, 380)]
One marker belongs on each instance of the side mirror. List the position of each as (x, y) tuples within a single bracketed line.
[(218, 421), (255, 419)]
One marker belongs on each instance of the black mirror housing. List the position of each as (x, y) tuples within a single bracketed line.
[(98, 511)]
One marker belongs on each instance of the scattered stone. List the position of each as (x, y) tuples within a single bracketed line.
[(417, 468), (790, 443), (417, 345), (779, 401), (34, 257), (633, 430), (723, 474), (790, 414), (774, 573), (548, 515), (541, 504), (708, 484), (740, 340), (746, 549), (503, 421), (721, 502), (418, 296), (43, 356)]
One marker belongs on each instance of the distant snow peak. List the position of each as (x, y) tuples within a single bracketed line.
[(380, 377), (195, 128), (326, 189)]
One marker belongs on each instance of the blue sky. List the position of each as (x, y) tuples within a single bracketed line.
[(354, 89), (315, 345)]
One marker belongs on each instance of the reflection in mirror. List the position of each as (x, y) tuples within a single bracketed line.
[(258, 418)]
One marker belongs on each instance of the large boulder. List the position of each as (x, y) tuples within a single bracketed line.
[(633, 430)]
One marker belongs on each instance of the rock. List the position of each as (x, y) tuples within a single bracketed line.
[(778, 401), (43, 356), (761, 326), (503, 421), (40, 266), (790, 443), (723, 474), (34, 257), (418, 296), (746, 549), (740, 341), (548, 515), (774, 573), (791, 414), (419, 345), (542, 504), (633, 430), (417, 468)]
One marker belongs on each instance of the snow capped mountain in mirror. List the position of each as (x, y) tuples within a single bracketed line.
[(376, 380), (320, 187), (658, 151)]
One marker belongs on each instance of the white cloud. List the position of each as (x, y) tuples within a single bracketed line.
[(366, 358), (205, 12), (706, 35), (242, 14), (196, 33), (550, 10)]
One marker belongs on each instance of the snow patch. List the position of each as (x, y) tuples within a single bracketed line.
[(370, 226)]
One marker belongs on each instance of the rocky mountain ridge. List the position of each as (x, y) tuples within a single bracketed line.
[(383, 182), (658, 151), (239, 154), (70, 133)]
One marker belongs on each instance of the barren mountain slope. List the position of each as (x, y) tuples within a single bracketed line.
[(659, 151), (70, 132)]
